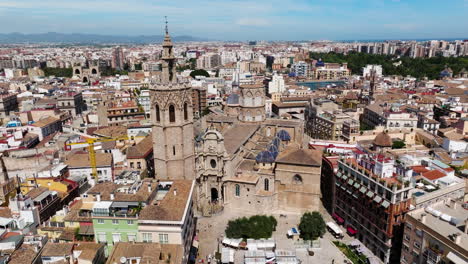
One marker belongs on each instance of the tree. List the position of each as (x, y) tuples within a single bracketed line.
[(58, 72), (199, 72), (311, 226), (256, 227), (398, 144)]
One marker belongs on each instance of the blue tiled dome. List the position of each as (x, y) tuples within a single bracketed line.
[(273, 150), (233, 99), (283, 135), (276, 141), (265, 157), (320, 63)]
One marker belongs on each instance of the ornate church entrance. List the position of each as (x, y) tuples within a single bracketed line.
[(214, 195)]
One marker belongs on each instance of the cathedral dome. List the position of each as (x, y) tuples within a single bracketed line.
[(273, 149), (383, 140), (276, 141), (283, 135), (265, 157)]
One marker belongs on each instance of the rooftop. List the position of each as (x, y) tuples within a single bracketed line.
[(442, 227), (173, 205), (147, 253)]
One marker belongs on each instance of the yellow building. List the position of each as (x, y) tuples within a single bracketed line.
[(53, 184)]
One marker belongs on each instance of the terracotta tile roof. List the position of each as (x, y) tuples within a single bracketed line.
[(433, 175), (57, 249), (88, 250), (46, 121), (82, 160), (5, 212), (111, 132), (36, 192), (153, 253), (300, 156), (172, 206), (142, 149), (24, 254), (419, 169)]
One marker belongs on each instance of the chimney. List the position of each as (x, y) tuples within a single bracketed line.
[(175, 191), (149, 188), (466, 226), (423, 218), (457, 238), (98, 197), (112, 196)]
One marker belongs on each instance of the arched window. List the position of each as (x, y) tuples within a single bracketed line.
[(185, 111), (171, 113), (268, 132), (266, 186), (213, 163), (297, 179), (158, 115), (237, 190)]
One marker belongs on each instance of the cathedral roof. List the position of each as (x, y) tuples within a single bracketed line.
[(307, 157)]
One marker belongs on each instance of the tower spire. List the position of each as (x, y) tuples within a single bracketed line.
[(167, 29)]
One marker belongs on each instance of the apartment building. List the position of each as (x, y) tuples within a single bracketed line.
[(324, 119), (8, 104), (371, 201), (331, 71), (72, 103), (436, 234)]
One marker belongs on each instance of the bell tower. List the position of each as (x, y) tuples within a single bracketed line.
[(172, 120)]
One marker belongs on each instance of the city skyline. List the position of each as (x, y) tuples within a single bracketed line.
[(242, 20)]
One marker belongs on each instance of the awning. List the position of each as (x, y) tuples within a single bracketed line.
[(338, 184), (351, 181), (356, 185), (455, 259), (345, 177), (351, 230), (385, 204), (124, 204), (370, 194), (377, 199), (338, 174), (337, 218), (363, 189)]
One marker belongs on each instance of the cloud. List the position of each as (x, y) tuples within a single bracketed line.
[(250, 21)]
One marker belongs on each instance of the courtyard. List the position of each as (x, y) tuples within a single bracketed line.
[(211, 232)]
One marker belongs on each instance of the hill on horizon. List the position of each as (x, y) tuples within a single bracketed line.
[(54, 37)]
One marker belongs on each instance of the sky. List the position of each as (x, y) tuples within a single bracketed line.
[(243, 19)]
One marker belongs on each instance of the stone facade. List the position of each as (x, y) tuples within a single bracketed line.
[(172, 118), (233, 174)]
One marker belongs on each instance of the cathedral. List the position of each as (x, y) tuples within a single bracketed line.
[(172, 119), (241, 160)]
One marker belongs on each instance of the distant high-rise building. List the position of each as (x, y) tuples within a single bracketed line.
[(118, 59), (276, 85)]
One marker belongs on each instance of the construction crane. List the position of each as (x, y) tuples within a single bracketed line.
[(90, 141)]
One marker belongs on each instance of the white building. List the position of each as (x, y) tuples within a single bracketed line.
[(366, 71), (276, 85)]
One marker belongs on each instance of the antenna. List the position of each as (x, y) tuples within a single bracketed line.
[(167, 30)]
